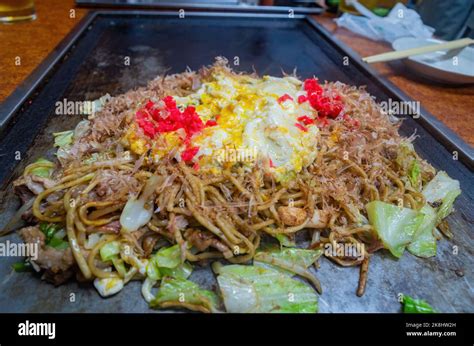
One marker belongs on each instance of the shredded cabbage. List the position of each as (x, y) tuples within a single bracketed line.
[(441, 193), (109, 250), (394, 225), (63, 139), (291, 261), (246, 289), (137, 212), (414, 174), (119, 265), (44, 172), (167, 262), (168, 257), (181, 292), (285, 240), (424, 242), (291, 256), (146, 289)]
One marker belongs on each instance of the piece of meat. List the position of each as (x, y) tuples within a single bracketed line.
[(292, 216), (33, 235), (58, 265), (45, 183), (28, 216), (21, 190), (202, 240), (27, 188), (111, 227), (149, 242), (34, 185)]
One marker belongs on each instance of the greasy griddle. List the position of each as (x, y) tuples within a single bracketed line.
[(90, 63)]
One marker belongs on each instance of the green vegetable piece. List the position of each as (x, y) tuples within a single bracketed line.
[(169, 257), (411, 305), (292, 256), (394, 225), (246, 289), (441, 192), (109, 250), (424, 242), (119, 265), (167, 262), (58, 244), (44, 171), (49, 229), (181, 291), (63, 139), (414, 174), (285, 240), (21, 267), (182, 271)]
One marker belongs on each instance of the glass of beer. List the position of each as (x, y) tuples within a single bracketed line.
[(16, 10)]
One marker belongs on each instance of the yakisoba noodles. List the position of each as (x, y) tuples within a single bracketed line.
[(144, 173)]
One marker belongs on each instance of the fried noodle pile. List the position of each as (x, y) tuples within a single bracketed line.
[(224, 215)]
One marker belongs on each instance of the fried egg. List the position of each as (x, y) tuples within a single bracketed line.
[(254, 125)]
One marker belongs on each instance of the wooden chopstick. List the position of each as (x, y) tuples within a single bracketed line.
[(419, 50)]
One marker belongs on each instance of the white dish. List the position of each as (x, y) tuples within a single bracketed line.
[(453, 67)]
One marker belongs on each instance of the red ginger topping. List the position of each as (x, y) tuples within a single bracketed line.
[(154, 119), (284, 98), (326, 105), (301, 127), (210, 123), (188, 154), (302, 98), (305, 120), (312, 86)]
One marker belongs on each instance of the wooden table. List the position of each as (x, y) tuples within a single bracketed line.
[(25, 45)]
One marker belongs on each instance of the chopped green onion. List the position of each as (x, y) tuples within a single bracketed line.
[(58, 244), (21, 267), (49, 229)]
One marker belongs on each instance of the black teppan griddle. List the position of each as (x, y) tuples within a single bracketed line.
[(90, 63)]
